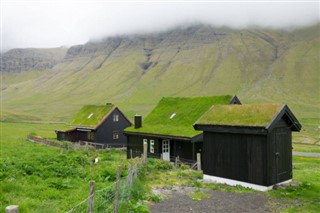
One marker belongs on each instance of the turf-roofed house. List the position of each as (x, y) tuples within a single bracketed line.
[(168, 129), (97, 124), (248, 145)]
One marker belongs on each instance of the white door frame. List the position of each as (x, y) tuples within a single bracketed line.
[(166, 150)]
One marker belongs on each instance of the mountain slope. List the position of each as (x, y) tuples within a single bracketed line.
[(136, 71), (17, 60)]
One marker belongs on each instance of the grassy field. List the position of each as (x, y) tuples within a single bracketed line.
[(307, 173), (306, 148), (46, 179)]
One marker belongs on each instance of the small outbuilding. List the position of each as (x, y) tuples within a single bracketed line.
[(248, 145), (97, 124), (168, 129)]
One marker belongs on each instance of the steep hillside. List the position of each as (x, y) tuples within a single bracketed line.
[(17, 60), (135, 71)]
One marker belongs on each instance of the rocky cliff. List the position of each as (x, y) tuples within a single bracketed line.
[(17, 60)]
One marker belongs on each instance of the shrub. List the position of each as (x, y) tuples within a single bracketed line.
[(184, 167), (32, 134), (163, 165), (109, 174), (154, 198)]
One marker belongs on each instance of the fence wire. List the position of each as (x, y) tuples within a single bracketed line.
[(104, 198)]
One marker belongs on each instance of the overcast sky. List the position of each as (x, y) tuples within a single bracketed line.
[(48, 23)]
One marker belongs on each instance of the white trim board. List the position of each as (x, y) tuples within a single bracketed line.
[(230, 182)]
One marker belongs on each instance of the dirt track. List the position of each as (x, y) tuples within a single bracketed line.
[(177, 200)]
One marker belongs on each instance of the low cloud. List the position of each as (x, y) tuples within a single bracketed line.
[(54, 24)]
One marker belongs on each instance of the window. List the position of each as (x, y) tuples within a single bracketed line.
[(115, 135), (151, 146), (90, 136), (115, 117), (63, 136)]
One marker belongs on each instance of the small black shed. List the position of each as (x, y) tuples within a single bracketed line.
[(248, 145)]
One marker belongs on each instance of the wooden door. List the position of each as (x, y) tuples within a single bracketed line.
[(166, 150), (282, 156)]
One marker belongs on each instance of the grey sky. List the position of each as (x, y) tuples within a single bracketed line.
[(66, 22)]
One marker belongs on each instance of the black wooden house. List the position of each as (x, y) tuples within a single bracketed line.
[(97, 124), (168, 129), (249, 145)]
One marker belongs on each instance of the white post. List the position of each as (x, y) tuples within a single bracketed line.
[(145, 149), (199, 161)]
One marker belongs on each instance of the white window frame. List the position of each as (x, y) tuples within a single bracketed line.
[(151, 146), (115, 117), (90, 136), (115, 135)]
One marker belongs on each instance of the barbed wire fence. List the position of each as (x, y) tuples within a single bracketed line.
[(107, 199)]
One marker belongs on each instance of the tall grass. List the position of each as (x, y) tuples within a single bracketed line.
[(47, 179)]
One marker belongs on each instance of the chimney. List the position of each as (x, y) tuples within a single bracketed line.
[(137, 121)]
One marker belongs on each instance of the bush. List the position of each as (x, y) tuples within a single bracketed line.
[(109, 174), (163, 165), (184, 167), (32, 134), (67, 145), (154, 198), (128, 206)]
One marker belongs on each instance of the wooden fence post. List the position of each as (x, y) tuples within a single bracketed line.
[(91, 197), (12, 209), (130, 153), (116, 195), (129, 178), (199, 161), (145, 149)]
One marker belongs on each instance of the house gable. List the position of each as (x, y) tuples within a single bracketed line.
[(99, 124), (110, 129)]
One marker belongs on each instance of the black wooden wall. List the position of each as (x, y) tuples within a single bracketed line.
[(135, 143), (253, 158), (235, 156), (183, 149), (104, 133)]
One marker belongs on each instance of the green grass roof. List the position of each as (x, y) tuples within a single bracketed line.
[(91, 115), (187, 110), (240, 115)]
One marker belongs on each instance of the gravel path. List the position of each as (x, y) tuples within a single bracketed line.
[(177, 200), (306, 154)]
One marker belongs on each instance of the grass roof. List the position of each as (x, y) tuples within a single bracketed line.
[(240, 115), (91, 115), (187, 111)]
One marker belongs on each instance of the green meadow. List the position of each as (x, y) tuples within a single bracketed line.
[(40, 178)]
